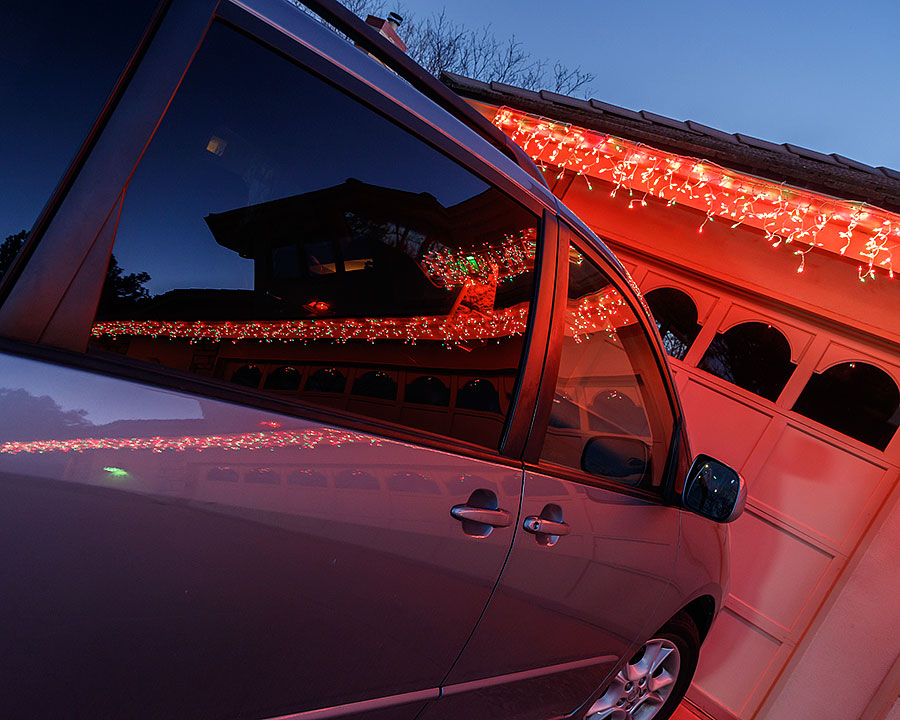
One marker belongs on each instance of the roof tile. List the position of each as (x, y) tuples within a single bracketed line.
[(712, 132), (668, 122), (462, 79), (757, 143), (810, 154), (853, 163), (566, 100), (514, 91), (890, 173), (616, 110)]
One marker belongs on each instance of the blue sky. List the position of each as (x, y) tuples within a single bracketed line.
[(817, 74), (822, 75)]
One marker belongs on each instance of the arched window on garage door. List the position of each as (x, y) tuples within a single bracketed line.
[(752, 355), (855, 398), (676, 317)]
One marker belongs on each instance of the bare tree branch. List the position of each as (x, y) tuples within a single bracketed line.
[(439, 44)]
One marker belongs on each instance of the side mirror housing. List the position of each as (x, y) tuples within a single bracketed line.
[(714, 490)]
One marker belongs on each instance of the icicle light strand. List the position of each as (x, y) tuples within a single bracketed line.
[(788, 216)]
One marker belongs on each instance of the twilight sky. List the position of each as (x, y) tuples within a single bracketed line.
[(822, 75)]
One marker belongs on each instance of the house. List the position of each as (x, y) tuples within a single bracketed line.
[(768, 268)]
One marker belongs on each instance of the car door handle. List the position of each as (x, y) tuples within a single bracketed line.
[(484, 516), (542, 526)]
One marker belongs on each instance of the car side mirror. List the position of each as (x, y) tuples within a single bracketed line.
[(714, 490), (623, 459)]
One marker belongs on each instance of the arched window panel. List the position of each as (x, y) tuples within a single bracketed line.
[(375, 384), (412, 482), (854, 398), (329, 380), (306, 477), (676, 317), (356, 480), (754, 356), (222, 474), (478, 394), (284, 378), (248, 375), (428, 391)]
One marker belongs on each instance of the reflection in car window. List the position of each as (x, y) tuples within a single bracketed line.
[(610, 415), (299, 243)]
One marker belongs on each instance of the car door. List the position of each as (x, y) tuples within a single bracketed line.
[(596, 543), (260, 354)]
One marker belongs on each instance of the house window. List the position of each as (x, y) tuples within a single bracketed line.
[(855, 398), (676, 317), (754, 356)]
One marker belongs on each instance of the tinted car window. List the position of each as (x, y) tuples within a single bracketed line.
[(280, 235), (53, 82), (611, 416)]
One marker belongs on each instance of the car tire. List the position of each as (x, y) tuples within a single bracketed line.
[(653, 682)]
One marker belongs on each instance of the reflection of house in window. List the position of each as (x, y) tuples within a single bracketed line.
[(676, 317), (283, 378), (612, 411), (356, 289), (478, 394), (248, 375), (857, 399), (354, 250), (752, 355), (428, 391), (330, 380), (376, 384)]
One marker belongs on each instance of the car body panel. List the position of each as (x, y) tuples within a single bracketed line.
[(588, 597), (250, 563)]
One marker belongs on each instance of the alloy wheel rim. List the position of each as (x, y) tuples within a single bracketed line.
[(642, 687)]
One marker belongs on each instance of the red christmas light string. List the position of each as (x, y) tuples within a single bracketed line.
[(453, 268), (300, 439), (590, 314), (789, 216)]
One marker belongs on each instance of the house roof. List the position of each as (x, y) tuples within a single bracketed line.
[(786, 163)]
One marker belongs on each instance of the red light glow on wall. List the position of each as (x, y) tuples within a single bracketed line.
[(788, 216)]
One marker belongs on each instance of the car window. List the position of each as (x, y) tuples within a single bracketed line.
[(611, 415), (280, 235)]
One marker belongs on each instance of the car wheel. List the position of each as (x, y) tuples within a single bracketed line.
[(655, 679)]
